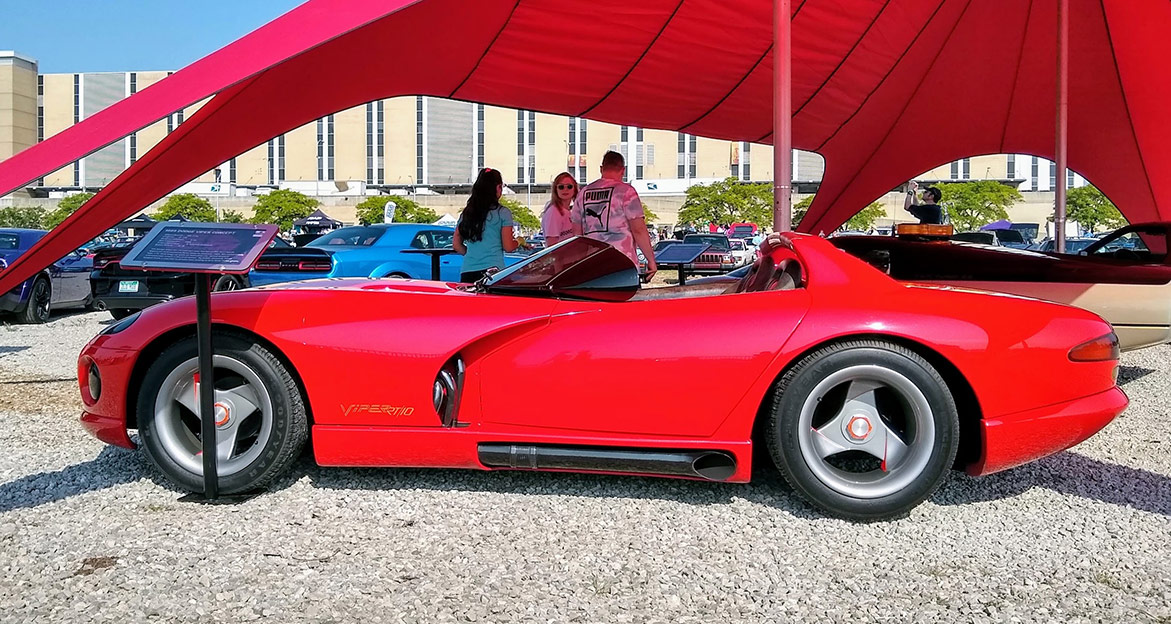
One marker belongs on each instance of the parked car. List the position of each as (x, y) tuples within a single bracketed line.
[(125, 291), (741, 252), (742, 230), (1123, 277), (1072, 245), (865, 392), (1004, 238), (365, 251), (63, 284), (717, 259)]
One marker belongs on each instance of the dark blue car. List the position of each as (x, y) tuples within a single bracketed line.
[(64, 284), (364, 251)]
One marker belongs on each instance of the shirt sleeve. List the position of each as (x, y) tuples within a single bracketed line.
[(633, 204), (547, 228), (575, 210), (505, 217)]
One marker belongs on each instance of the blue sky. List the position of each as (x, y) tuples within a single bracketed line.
[(67, 36)]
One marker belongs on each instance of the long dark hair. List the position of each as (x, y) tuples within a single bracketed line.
[(482, 201)]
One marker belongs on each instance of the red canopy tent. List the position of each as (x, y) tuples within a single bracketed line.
[(883, 89)]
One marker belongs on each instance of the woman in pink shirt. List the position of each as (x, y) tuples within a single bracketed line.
[(555, 221)]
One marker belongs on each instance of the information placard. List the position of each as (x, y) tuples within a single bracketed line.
[(680, 253), (200, 247)]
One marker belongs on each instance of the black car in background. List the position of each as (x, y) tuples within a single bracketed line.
[(125, 291)]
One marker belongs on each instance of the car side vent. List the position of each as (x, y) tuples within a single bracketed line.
[(446, 392)]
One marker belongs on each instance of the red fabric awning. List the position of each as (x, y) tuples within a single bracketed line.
[(883, 89)]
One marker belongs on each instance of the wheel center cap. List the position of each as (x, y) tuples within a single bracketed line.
[(223, 414), (859, 428)]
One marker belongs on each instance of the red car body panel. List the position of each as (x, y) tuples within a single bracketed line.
[(687, 373)]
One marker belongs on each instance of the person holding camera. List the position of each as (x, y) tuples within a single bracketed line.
[(929, 211)]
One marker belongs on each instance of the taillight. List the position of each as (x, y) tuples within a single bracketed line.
[(1100, 349), (101, 262), (268, 265), (314, 265)]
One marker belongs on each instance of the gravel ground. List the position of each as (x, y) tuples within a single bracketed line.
[(91, 533)]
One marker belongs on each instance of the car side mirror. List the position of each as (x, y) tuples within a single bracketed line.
[(1083, 253)]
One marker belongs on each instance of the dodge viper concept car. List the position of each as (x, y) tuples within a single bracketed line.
[(865, 391), (1124, 277)]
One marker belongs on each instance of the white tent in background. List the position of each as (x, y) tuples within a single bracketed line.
[(446, 220)]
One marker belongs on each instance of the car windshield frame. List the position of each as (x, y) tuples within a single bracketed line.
[(575, 268), (363, 236)]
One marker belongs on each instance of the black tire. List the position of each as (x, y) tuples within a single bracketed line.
[(226, 282), (120, 313), (265, 459), (36, 310), (397, 275), (926, 405)]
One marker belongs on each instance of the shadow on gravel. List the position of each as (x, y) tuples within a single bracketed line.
[(113, 466), (6, 350), (1066, 473), (767, 488), (1127, 374)]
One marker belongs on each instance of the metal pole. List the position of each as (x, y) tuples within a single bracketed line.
[(206, 384), (1062, 121), (782, 116)]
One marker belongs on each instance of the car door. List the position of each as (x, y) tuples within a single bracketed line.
[(71, 278), (674, 367)]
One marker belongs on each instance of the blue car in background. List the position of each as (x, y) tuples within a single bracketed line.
[(364, 251), (64, 284)]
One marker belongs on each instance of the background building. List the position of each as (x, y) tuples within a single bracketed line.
[(430, 147)]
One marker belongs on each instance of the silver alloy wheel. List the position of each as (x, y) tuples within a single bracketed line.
[(245, 402), (903, 442)]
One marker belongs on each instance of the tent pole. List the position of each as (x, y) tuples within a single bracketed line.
[(782, 116), (1062, 122)]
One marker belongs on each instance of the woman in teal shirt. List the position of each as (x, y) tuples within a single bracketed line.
[(484, 231)]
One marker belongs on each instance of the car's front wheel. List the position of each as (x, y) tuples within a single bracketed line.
[(865, 430), (261, 422)]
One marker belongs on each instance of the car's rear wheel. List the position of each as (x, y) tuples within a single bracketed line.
[(261, 418), (865, 430), (40, 298), (227, 282)]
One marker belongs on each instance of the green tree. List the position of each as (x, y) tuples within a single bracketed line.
[(282, 208), (65, 208), (186, 205), (728, 201), (866, 217), (649, 215), (372, 209), (231, 216), (973, 204), (1091, 209), (521, 215), (22, 217), (800, 208)]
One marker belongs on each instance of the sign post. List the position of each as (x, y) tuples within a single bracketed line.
[(207, 250)]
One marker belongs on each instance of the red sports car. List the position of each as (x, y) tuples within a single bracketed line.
[(865, 391)]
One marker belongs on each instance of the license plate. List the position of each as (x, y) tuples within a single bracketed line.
[(128, 286)]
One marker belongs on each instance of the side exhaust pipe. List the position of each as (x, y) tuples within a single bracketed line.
[(709, 465)]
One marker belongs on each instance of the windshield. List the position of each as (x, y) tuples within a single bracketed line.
[(717, 241), (357, 236), (579, 267)]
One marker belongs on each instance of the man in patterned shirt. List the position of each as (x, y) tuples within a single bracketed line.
[(610, 211)]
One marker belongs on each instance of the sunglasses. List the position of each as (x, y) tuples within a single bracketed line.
[(566, 186)]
